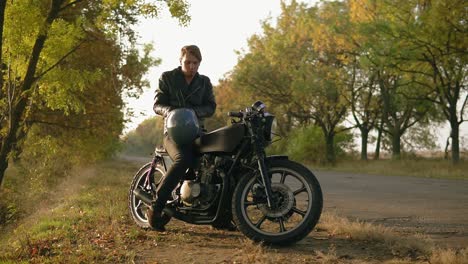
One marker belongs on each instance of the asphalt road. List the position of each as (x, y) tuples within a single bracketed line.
[(436, 207)]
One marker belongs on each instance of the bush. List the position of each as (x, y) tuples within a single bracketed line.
[(144, 138), (8, 209), (307, 144)]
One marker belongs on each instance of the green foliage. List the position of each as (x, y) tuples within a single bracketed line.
[(307, 144), (179, 9), (49, 155), (375, 58), (420, 138), (268, 70), (70, 105), (228, 98), (296, 67), (9, 211), (135, 67), (421, 46)]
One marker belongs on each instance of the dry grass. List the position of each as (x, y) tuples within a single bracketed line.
[(83, 222), (252, 253), (403, 249), (356, 230), (400, 246), (449, 256), (328, 257)]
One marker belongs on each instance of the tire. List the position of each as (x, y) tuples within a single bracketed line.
[(136, 206), (298, 204)]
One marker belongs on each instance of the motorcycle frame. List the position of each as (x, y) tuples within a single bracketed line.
[(226, 192)]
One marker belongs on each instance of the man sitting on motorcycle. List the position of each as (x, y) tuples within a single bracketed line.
[(183, 87)]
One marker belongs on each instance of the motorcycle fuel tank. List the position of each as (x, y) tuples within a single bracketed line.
[(225, 139)]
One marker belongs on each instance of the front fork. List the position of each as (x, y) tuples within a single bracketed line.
[(142, 193), (259, 150), (150, 176), (265, 177)]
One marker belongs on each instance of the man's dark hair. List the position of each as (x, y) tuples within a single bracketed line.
[(191, 49)]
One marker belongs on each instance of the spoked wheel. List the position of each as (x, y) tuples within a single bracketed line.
[(297, 204), (141, 181)]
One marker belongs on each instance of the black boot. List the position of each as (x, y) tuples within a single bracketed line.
[(155, 219)]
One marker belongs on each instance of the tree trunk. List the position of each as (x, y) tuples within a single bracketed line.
[(396, 145), (447, 144), (19, 107), (455, 142), (379, 139), (364, 138), (2, 19), (455, 131), (10, 139), (3, 167), (3, 164), (331, 158)]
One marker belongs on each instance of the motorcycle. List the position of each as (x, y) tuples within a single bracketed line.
[(271, 199)]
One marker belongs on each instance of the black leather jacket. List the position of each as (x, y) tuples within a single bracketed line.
[(174, 92)]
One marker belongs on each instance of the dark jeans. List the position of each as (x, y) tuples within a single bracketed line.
[(183, 158)]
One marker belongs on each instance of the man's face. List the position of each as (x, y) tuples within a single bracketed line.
[(190, 65)]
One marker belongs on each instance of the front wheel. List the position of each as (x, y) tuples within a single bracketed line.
[(296, 206), (142, 181)]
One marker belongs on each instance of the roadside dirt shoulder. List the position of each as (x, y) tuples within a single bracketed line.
[(434, 210), (433, 207), (185, 243)]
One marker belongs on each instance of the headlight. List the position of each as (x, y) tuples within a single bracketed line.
[(268, 125)]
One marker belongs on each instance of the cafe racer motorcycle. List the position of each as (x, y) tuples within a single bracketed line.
[(271, 199)]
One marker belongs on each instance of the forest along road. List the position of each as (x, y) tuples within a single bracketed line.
[(436, 207)]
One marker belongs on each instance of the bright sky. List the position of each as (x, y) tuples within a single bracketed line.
[(219, 28)]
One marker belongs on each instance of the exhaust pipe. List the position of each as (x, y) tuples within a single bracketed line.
[(143, 196)]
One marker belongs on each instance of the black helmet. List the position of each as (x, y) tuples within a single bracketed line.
[(182, 126), (259, 106)]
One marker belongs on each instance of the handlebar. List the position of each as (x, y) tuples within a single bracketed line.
[(235, 114)]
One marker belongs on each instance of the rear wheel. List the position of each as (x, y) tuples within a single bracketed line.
[(141, 181), (297, 204)]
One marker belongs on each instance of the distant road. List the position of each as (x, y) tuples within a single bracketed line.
[(137, 159), (435, 207)]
